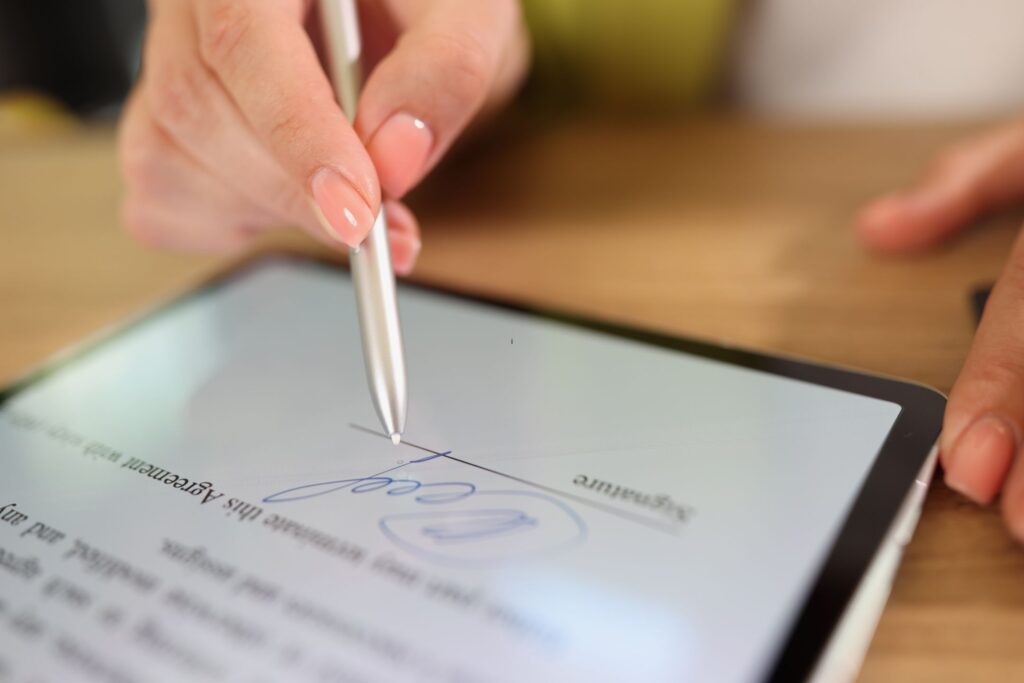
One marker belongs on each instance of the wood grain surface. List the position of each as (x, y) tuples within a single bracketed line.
[(727, 230)]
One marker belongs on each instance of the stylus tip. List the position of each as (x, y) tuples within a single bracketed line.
[(396, 438)]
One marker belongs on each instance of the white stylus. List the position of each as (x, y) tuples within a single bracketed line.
[(372, 274)]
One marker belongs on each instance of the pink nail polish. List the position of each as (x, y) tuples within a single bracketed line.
[(404, 251), (399, 150), (981, 458), (342, 211)]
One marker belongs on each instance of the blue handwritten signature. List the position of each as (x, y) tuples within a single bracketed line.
[(378, 481), (527, 524)]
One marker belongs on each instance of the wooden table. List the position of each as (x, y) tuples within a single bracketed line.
[(725, 230)]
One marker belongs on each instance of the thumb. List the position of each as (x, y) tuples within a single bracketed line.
[(442, 70), (964, 183), (985, 415)]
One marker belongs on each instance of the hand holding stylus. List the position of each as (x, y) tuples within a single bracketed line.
[(234, 128)]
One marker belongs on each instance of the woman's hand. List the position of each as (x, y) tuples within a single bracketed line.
[(233, 127), (984, 420)]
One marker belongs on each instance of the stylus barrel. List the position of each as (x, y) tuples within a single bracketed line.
[(383, 350), (372, 274)]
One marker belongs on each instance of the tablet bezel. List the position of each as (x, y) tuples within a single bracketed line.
[(900, 459)]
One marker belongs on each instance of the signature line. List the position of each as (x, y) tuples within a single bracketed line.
[(639, 519)]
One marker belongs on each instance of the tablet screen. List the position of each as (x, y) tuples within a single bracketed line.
[(206, 495)]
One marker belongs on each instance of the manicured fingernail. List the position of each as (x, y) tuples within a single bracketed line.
[(981, 457), (342, 211), (404, 251), (399, 150)]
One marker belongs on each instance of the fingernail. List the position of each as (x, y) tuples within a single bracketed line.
[(882, 214), (895, 206), (404, 251), (888, 202), (399, 150), (342, 211), (953, 426), (981, 458)]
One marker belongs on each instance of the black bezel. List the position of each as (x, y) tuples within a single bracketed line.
[(903, 454)]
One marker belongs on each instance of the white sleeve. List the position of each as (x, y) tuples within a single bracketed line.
[(873, 59)]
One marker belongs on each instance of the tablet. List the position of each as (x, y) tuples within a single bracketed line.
[(205, 494)]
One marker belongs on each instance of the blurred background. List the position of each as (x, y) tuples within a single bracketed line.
[(66, 60), (62, 58)]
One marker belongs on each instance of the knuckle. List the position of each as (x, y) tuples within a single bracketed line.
[(289, 122), (176, 96), (226, 24), (464, 61)]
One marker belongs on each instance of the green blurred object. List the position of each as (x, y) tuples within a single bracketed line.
[(628, 54), (25, 113)]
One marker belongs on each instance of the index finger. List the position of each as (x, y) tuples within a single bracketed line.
[(965, 182), (265, 60)]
